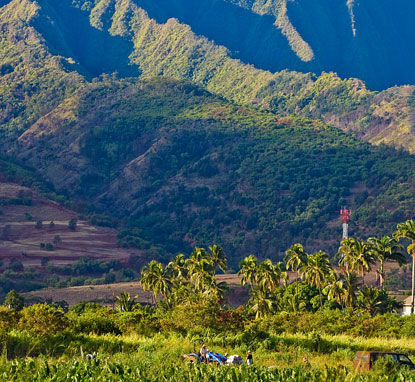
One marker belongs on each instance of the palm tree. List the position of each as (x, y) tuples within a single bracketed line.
[(248, 268), (124, 302), (316, 271), (355, 255), (177, 267), (269, 276), (295, 258), (200, 274), (370, 300), (218, 258), (350, 283), (406, 230), (266, 277), (261, 305), (345, 253), (334, 289), (156, 279), (386, 249)]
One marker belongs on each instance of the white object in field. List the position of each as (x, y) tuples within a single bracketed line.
[(235, 360)]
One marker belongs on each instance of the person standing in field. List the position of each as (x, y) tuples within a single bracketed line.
[(249, 359), (203, 353)]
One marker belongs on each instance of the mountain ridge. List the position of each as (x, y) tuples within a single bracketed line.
[(212, 154), (173, 50)]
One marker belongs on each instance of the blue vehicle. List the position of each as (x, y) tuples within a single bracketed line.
[(216, 357)]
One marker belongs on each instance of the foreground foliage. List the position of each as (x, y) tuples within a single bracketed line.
[(113, 371)]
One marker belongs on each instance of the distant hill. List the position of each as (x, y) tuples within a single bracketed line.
[(90, 40), (80, 41)]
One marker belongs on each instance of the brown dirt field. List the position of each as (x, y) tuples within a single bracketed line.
[(97, 293), (105, 293), (23, 237)]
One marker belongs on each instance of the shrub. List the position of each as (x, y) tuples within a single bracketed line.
[(44, 261), (72, 224), (99, 322), (8, 318), (15, 265), (43, 319), (14, 300), (57, 239)]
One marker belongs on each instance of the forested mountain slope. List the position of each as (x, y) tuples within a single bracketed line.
[(181, 167), (117, 35), (177, 165)]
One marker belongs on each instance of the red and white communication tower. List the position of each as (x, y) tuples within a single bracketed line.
[(345, 215)]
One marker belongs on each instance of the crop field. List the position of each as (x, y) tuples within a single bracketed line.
[(22, 208), (136, 358)]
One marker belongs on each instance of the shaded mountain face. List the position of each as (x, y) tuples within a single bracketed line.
[(69, 33), (370, 40)]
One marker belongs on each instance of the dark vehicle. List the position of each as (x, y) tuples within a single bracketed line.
[(365, 360)]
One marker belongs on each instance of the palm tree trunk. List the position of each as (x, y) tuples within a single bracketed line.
[(381, 274), (413, 282), (321, 299)]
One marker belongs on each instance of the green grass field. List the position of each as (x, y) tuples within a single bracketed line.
[(158, 358)]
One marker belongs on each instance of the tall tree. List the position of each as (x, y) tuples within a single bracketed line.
[(201, 276), (406, 230), (355, 255), (248, 267), (177, 267), (334, 289), (316, 271), (218, 258), (269, 276), (345, 254), (295, 258), (385, 250), (156, 279), (351, 284), (261, 304)]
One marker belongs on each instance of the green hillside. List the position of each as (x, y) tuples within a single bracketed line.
[(181, 167), (177, 163), (120, 35)]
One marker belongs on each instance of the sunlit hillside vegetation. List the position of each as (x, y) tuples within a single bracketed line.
[(108, 36)]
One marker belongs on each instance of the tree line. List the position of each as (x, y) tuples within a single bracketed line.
[(270, 291)]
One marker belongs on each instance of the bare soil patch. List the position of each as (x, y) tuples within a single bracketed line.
[(19, 237)]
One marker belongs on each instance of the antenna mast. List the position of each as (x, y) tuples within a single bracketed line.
[(345, 215)]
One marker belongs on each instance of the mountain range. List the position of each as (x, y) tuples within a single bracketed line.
[(173, 122)]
